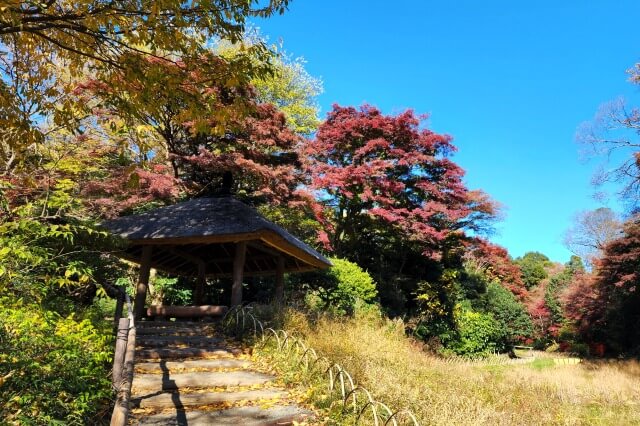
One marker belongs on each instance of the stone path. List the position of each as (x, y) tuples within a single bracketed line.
[(186, 375)]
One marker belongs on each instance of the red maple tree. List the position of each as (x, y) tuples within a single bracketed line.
[(365, 165), (499, 266), (605, 306)]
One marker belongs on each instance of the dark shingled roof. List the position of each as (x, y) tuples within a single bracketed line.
[(203, 222)]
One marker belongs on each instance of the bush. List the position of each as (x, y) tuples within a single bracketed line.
[(338, 288), (477, 333), (171, 291), (512, 317), (55, 369)]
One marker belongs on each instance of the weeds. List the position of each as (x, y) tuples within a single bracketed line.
[(399, 373)]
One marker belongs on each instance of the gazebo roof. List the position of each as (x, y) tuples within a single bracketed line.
[(206, 230)]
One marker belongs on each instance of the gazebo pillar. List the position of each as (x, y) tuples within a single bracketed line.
[(198, 297), (143, 282), (280, 280), (238, 270)]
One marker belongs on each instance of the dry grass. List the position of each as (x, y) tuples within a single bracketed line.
[(400, 374)]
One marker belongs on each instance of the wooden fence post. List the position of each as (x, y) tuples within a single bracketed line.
[(118, 356), (119, 306), (121, 410)]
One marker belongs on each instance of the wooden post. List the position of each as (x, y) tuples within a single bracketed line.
[(238, 269), (120, 414), (119, 306), (143, 282), (280, 280), (198, 295), (118, 356)]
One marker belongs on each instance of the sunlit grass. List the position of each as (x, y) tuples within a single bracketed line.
[(398, 372)]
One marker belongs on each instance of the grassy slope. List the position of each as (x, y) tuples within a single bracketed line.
[(400, 374)]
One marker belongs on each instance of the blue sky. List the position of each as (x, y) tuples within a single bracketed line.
[(510, 81)]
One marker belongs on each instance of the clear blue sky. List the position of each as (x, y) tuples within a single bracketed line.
[(509, 80)]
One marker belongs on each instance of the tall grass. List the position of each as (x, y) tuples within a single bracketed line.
[(398, 372)]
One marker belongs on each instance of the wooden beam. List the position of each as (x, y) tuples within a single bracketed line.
[(238, 269), (263, 273), (224, 248), (268, 237), (186, 311), (261, 247), (274, 240), (201, 239), (143, 281), (280, 280), (184, 255), (217, 266)]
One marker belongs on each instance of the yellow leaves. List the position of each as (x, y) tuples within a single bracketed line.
[(4, 378), (142, 129), (232, 82), (134, 181)]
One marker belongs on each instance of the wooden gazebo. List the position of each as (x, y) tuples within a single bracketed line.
[(211, 237)]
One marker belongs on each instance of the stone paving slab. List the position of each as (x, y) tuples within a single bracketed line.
[(161, 341), (183, 353), (197, 380), (199, 364), (183, 400), (172, 331), (246, 416)]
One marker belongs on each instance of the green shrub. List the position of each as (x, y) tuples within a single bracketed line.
[(55, 369), (477, 333), (170, 292), (338, 288), (512, 317)]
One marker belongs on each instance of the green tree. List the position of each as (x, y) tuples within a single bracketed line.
[(288, 86), (294, 91), (575, 265), (102, 36), (532, 266), (515, 323)]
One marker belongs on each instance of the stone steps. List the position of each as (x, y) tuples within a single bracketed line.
[(246, 416), (205, 382), (199, 364), (163, 341), (173, 331), (197, 380), (186, 353), (184, 400)]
